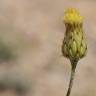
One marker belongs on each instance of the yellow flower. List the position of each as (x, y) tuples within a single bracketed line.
[(74, 46), (71, 15)]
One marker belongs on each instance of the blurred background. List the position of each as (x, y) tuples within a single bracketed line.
[(31, 62)]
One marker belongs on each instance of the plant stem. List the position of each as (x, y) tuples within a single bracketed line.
[(73, 67)]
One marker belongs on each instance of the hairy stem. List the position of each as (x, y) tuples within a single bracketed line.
[(73, 67)]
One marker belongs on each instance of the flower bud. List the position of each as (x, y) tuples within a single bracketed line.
[(74, 46)]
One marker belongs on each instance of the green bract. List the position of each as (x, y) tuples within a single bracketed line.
[(74, 45)]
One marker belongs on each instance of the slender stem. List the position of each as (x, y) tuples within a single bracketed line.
[(73, 63)]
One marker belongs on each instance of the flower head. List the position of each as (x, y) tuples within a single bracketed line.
[(74, 45)]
